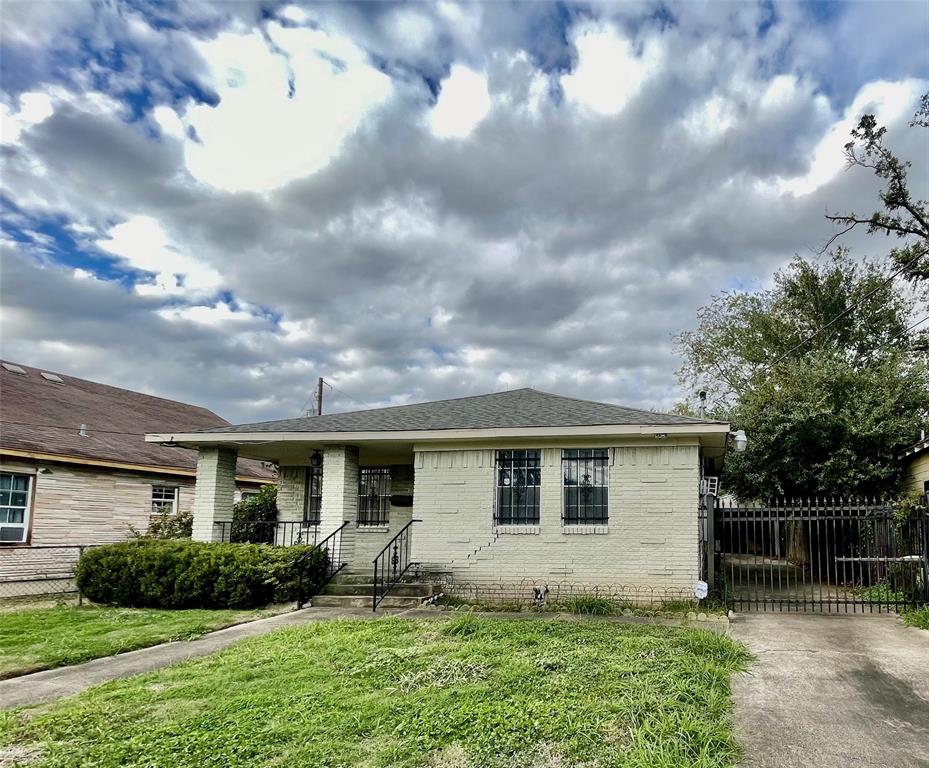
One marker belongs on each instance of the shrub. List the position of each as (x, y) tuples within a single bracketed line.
[(151, 573), (248, 515), (168, 526)]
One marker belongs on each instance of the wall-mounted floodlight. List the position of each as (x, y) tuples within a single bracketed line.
[(740, 440)]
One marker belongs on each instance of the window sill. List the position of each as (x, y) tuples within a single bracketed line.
[(365, 528), (582, 529), (518, 529)]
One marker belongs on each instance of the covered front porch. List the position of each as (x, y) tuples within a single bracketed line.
[(363, 491)]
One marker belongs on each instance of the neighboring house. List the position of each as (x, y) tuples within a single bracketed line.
[(75, 467), (915, 461), (506, 488)]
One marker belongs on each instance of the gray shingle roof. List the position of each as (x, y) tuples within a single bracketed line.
[(516, 408)]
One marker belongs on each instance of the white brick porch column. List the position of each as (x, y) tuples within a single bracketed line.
[(215, 492), (340, 496)]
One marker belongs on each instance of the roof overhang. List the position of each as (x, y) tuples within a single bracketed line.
[(913, 450), (712, 436)]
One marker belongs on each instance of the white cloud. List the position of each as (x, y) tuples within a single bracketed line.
[(261, 135), (609, 71), (891, 103), (34, 107), (411, 31), (169, 121), (143, 244), (710, 120), (216, 315), (295, 14), (463, 102)]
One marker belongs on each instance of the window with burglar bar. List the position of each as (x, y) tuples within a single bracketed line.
[(519, 479), (586, 473), (164, 499), (313, 495), (14, 508), (374, 496)]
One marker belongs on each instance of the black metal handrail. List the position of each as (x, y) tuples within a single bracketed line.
[(332, 544), (391, 563)]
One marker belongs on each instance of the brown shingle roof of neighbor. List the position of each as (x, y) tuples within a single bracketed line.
[(41, 415), (516, 408)]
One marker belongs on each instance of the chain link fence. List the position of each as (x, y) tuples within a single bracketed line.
[(41, 571)]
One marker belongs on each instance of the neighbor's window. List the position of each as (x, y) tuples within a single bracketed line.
[(586, 474), (14, 508), (374, 496), (164, 499), (313, 495), (519, 478)]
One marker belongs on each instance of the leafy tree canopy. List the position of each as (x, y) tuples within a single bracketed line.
[(820, 370)]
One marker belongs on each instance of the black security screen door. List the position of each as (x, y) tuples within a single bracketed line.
[(519, 479)]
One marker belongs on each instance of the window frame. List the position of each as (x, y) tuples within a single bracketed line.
[(591, 462), (510, 464), (313, 496), (26, 508), (381, 516), (159, 509)]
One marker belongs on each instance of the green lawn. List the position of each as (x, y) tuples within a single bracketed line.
[(42, 638), (435, 693)]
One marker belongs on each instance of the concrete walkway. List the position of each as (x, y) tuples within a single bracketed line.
[(833, 691), (56, 683)]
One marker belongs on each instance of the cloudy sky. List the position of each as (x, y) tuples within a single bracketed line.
[(219, 202)]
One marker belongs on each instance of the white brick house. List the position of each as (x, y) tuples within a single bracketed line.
[(506, 488)]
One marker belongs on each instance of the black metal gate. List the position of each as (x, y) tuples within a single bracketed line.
[(836, 555)]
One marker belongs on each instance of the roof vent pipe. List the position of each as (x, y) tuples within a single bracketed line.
[(83, 430)]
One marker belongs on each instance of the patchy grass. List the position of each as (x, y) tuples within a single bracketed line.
[(42, 638), (584, 605), (455, 692), (917, 618)]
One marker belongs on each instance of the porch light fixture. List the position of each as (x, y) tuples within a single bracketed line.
[(316, 459), (740, 441)]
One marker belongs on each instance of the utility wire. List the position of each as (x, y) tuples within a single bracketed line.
[(342, 391), (305, 404), (918, 322)]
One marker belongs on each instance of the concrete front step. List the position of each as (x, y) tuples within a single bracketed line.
[(365, 578), (358, 601), (403, 589)]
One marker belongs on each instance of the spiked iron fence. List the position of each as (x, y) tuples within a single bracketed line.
[(826, 555)]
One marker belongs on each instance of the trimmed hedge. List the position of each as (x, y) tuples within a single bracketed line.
[(151, 573)]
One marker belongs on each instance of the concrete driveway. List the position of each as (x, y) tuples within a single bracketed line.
[(833, 691)]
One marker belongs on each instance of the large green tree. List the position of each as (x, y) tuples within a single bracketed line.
[(822, 372)]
